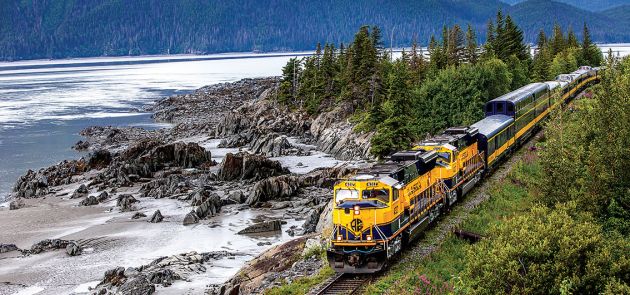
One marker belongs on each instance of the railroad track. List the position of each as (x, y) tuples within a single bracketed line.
[(342, 283)]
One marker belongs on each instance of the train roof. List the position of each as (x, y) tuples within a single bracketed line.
[(522, 93), (553, 84), (492, 125)]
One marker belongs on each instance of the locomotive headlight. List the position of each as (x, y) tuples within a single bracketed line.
[(369, 237), (338, 238), (356, 209)]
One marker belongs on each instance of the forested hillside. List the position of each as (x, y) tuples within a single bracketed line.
[(591, 5), (405, 99), (69, 28), (621, 13)]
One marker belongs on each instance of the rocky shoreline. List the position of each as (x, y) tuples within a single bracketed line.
[(251, 136)]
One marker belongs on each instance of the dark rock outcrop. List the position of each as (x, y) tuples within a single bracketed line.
[(73, 249), (49, 244), (126, 202), (138, 215), (274, 188), (99, 159), (245, 166), (262, 227), (17, 204), (80, 192), (4, 248), (94, 200), (162, 271), (138, 285), (156, 217), (36, 184), (190, 218)]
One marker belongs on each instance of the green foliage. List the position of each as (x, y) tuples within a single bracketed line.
[(547, 251), (587, 154), (445, 266), (564, 62), (302, 285)]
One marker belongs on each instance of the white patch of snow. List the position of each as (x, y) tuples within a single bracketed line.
[(85, 288), (29, 291), (309, 163)]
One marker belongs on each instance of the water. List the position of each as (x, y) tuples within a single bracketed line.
[(44, 104)]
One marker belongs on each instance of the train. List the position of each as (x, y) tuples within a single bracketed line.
[(379, 210)]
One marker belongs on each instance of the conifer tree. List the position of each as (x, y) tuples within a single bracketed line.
[(471, 45), (572, 41), (541, 40), (557, 41), (456, 45), (490, 39), (590, 54), (417, 64), (287, 93)]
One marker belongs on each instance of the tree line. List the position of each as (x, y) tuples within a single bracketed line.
[(417, 94), (576, 239)]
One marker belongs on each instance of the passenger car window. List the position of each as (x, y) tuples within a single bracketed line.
[(510, 108), (500, 108), (489, 108)]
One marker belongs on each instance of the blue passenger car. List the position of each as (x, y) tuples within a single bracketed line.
[(495, 137)]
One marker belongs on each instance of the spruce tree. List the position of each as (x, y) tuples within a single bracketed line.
[(557, 42), (471, 45), (490, 40), (572, 41), (590, 53), (456, 45), (541, 40)]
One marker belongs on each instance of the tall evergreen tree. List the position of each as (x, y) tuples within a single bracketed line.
[(490, 39), (471, 45), (572, 41), (455, 45), (541, 40), (557, 42), (590, 54)]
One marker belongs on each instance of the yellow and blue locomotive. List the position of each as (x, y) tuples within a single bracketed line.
[(380, 209)]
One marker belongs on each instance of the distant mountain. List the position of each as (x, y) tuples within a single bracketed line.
[(533, 15), (69, 28), (591, 5), (620, 13)]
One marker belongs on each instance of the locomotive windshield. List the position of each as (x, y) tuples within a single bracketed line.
[(346, 194), (381, 195)]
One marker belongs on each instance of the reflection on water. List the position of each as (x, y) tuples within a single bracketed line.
[(44, 104)]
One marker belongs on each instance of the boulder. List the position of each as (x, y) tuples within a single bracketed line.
[(245, 166), (89, 201), (262, 227), (80, 192), (191, 218), (157, 217), (99, 159), (138, 285), (138, 215), (310, 223), (4, 248), (274, 188), (81, 145), (237, 196), (73, 249), (208, 203), (126, 202), (17, 204), (324, 223), (49, 244)]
